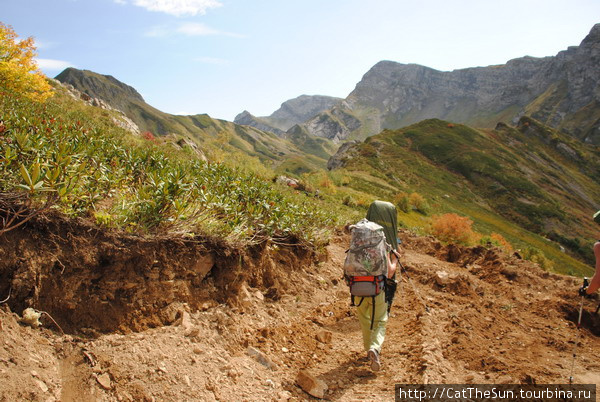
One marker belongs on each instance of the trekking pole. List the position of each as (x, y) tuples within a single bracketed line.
[(403, 269), (585, 284)]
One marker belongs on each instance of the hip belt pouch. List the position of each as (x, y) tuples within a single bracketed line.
[(363, 286)]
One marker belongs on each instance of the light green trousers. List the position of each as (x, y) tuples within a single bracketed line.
[(372, 338)]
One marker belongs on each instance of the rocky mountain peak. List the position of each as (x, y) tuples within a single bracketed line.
[(300, 109), (593, 37), (290, 113), (561, 91), (106, 87), (244, 117)]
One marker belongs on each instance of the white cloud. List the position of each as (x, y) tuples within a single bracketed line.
[(158, 31), (177, 7), (212, 60), (53, 65), (122, 2), (44, 45), (188, 29), (196, 29)]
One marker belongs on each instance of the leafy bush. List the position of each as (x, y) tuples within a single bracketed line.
[(418, 203), (497, 240), (402, 201), (453, 228), (537, 256), (86, 166)]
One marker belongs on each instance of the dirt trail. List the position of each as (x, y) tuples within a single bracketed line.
[(492, 318)]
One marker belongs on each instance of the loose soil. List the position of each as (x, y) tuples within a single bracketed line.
[(189, 319)]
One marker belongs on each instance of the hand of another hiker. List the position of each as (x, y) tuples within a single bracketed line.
[(583, 292)]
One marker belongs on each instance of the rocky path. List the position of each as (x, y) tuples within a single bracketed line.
[(492, 319)]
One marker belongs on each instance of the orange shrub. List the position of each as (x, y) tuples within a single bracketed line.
[(499, 239), (453, 228)]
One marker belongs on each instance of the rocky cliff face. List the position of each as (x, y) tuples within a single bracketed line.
[(561, 91), (291, 112)]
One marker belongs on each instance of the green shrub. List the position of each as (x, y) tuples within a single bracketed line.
[(537, 256), (85, 165)]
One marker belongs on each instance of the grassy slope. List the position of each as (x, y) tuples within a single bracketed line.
[(514, 182), (123, 181), (217, 138)]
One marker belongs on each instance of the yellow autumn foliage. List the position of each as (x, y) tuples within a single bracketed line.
[(19, 72)]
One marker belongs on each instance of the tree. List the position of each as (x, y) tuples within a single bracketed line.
[(19, 72)]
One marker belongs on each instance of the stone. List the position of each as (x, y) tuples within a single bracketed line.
[(311, 385), (203, 265), (244, 297), (442, 278), (261, 358), (192, 332), (42, 385), (185, 143), (185, 320), (31, 317), (104, 381), (324, 336)]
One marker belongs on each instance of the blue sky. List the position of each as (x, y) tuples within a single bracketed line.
[(224, 56)]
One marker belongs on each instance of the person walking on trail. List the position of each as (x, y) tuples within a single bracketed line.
[(595, 282), (373, 321)]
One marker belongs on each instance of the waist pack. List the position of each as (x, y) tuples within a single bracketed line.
[(364, 286)]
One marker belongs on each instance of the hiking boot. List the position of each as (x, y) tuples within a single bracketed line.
[(373, 356)]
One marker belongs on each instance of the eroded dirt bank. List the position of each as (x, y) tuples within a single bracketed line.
[(246, 327)]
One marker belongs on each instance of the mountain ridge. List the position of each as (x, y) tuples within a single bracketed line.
[(290, 113), (562, 91)]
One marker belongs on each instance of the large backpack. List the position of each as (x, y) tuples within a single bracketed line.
[(366, 264)]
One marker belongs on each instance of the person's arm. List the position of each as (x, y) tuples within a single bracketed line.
[(595, 283), (393, 262)]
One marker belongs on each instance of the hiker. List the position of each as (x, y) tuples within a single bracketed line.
[(595, 282), (373, 320)]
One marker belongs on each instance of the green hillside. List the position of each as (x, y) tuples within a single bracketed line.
[(529, 183), (219, 139), (64, 155)]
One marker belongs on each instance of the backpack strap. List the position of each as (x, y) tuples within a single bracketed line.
[(373, 315)]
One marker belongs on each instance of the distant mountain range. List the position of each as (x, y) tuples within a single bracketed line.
[(291, 112), (562, 92)]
